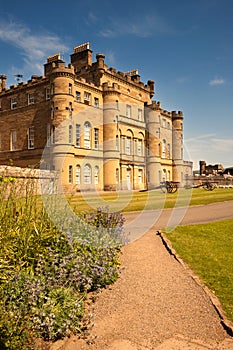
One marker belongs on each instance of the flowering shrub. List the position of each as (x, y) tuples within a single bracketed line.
[(45, 274)]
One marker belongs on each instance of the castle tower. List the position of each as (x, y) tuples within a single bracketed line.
[(110, 132), (153, 141), (202, 164), (177, 145), (82, 57), (62, 98)]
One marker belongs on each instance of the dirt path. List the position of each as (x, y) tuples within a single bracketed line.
[(155, 305)]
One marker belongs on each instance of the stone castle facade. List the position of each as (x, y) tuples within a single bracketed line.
[(96, 126)]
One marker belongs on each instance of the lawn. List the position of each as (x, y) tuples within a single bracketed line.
[(207, 249), (155, 199)]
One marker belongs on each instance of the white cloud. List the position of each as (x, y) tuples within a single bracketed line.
[(34, 47), (217, 81), (142, 27)]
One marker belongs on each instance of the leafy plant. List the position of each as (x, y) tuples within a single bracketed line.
[(46, 273)]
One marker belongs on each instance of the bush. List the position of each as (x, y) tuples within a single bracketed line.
[(46, 274)]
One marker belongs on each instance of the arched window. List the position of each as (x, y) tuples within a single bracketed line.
[(96, 175), (78, 173), (87, 174), (87, 135)]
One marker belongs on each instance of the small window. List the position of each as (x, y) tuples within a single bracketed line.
[(30, 99), (128, 111), (169, 150), (164, 123), (96, 175), (117, 104), (128, 146), (96, 102), (78, 174), (117, 176), (117, 142), (139, 148), (140, 174), (70, 134), (87, 98), (96, 139), (87, 135), (77, 142), (52, 89), (31, 138), (78, 96), (70, 109), (70, 174), (164, 149), (13, 103), (47, 93), (13, 141), (70, 88), (48, 135), (140, 114)]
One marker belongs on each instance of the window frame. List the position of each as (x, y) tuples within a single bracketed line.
[(13, 102), (31, 137)]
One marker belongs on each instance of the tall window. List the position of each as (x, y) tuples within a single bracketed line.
[(117, 175), (96, 175), (140, 173), (164, 148), (77, 142), (31, 99), (48, 135), (13, 103), (78, 96), (70, 174), (139, 147), (47, 93), (117, 142), (169, 150), (140, 114), (128, 111), (13, 140), (87, 98), (31, 137), (70, 134), (70, 88), (87, 135), (52, 110), (128, 146), (53, 135), (96, 140), (87, 174), (78, 175), (70, 109), (96, 102)]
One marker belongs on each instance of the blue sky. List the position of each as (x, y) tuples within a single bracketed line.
[(186, 46)]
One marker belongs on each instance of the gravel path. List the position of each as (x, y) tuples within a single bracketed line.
[(154, 305)]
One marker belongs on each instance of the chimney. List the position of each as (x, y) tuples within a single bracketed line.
[(3, 82), (82, 57)]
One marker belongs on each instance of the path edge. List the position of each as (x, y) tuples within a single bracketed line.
[(227, 325)]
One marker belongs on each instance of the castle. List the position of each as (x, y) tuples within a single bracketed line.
[(98, 127)]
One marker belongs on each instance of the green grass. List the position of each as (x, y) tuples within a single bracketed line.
[(155, 199), (207, 249)]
